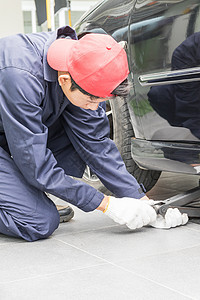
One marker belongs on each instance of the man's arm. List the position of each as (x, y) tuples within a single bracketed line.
[(89, 133), (21, 95)]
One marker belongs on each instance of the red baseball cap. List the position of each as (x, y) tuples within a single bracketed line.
[(96, 62)]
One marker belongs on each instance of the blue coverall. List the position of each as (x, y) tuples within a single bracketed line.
[(44, 138)]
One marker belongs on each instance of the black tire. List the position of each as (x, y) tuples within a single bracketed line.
[(121, 131)]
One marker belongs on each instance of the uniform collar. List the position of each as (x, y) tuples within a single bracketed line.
[(49, 73)]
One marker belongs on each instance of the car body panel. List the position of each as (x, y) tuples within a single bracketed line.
[(164, 26), (154, 30)]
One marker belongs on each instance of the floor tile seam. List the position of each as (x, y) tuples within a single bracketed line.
[(193, 229), (165, 252), (11, 244), (82, 250), (87, 230), (52, 274), (125, 269), (154, 282), (142, 257)]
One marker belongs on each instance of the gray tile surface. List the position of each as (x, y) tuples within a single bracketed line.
[(178, 270), (118, 244), (100, 282), (93, 258), (26, 260)]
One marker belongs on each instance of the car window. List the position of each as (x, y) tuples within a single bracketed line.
[(164, 36)]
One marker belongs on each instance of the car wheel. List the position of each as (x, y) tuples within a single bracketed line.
[(122, 134), (121, 131)]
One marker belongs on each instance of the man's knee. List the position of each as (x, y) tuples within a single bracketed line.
[(46, 225), (30, 228)]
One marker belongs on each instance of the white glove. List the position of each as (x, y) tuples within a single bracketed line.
[(172, 218), (132, 212)]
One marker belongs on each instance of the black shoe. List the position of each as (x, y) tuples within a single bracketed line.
[(66, 213)]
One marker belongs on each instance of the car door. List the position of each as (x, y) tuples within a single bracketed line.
[(164, 47)]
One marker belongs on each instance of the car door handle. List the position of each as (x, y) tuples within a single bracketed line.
[(170, 77)]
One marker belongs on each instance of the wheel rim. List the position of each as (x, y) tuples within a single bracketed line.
[(88, 174)]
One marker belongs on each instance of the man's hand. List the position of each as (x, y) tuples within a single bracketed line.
[(173, 218), (136, 213), (132, 212)]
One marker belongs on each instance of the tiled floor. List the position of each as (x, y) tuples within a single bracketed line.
[(93, 258)]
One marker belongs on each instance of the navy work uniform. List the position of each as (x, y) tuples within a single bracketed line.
[(44, 139)]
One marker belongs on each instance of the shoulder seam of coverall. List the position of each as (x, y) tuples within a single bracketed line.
[(18, 68)]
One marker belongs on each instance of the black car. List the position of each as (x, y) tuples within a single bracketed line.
[(157, 127)]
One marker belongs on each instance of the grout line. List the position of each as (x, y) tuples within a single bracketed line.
[(193, 229), (173, 251), (87, 230), (160, 253), (11, 243), (51, 274), (124, 269)]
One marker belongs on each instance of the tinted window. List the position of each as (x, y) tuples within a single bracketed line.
[(157, 31)]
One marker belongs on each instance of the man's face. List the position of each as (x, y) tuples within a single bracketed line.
[(76, 97)]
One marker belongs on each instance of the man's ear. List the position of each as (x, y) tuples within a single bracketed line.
[(64, 79)]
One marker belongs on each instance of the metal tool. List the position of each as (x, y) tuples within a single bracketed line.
[(186, 202)]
